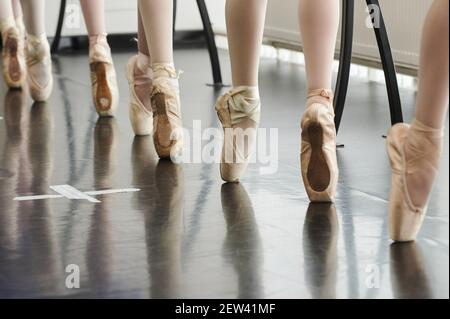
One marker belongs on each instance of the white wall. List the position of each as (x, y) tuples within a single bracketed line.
[(404, 19), (121, 16)]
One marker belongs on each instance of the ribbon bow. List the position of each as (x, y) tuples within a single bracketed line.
[(237, 105)]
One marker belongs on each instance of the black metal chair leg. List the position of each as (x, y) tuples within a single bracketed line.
[(388, 67), (57, 37), (348, 10), (212, 48), (175, 7)]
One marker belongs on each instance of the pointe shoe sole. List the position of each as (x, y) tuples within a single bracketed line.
[(318, 172), (13, 71), (404, 221), (104, 99)]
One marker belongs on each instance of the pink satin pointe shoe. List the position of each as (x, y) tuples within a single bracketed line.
[(318, 147), (39, 66), (104, 80), (140, 112), (424, 146), (239, 111), (165, 101), (13, 57)]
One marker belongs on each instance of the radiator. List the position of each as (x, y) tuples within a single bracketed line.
[(404, 20)]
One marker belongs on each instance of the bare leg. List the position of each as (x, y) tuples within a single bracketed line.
[(245, 25), (432, 103)]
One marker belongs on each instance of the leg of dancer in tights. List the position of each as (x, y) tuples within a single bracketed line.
[(239, 109), (415, 149)]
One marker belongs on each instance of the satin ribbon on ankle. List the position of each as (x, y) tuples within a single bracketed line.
[(240, 104)]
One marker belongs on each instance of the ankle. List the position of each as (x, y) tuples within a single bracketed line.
[(37, 43), (424, 144), (245, 103), (99, 39), (321, 96), (7, 23), (164, 70)]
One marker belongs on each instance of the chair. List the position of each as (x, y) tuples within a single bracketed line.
[(207, 30), (348, 11)]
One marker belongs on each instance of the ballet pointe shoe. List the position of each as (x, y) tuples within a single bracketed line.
[(13, 57), (105, 91), (167, 122), (39, 60), (318, 147), (239, 111), (140, 117), (406, 218)]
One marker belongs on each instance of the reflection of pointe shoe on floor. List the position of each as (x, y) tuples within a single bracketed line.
[(414, 152), (15, 114), (103, 77), (39, 64), (408, 272), (320, 238), (318, 149), (13, 57), (105, 141), (239, 112), (140, 112), (165, 100)]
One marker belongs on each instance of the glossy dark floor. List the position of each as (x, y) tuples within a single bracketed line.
[(185, 234)]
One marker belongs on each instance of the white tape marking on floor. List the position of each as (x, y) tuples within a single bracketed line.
[(73, 193), (70, 192)]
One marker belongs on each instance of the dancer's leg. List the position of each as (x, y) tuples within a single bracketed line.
[(34, 14), (139, 76), (141, 67), (142, 38), (38, 50), (240, 108), (13, 57), (319, 21), (6, 15), (415, 150), (94, 17), (245, 25), (103, 75), (432, 101), (157, 22), (18, 16)]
